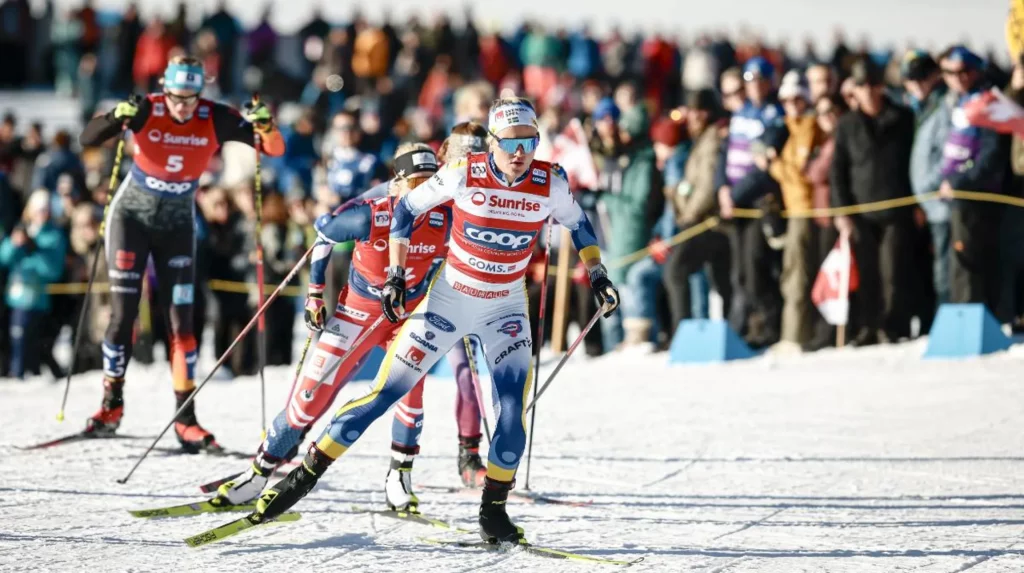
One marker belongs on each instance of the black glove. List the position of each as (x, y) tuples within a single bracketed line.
[(392, 296), (607, 296), (315, 313)]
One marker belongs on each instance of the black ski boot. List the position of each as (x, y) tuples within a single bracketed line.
[(495, 526), (471, 468), (192, 437), (293, 487), (108, 418)]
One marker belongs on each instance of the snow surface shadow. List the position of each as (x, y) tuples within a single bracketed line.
[(92, 493), (350, 541), (811, 554), (80, 539), (864, 498), (655, 520)]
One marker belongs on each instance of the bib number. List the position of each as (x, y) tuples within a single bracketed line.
[(175, 163)]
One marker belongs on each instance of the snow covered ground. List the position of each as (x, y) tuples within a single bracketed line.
[(845, 461)]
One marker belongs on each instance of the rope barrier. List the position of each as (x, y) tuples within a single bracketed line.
[(677, 239)]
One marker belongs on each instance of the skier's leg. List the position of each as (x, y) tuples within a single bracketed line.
[(322, 377), (467, 414), (405, 444), (407, 360), (127, 249), (505, 335)]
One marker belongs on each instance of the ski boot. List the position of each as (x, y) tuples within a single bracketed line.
[(250, 484), (192, 437), (398, 485), (108, 418), (471, 467), (293, 487), (495, 526)]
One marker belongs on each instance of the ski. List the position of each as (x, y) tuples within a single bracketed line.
[(235, 527), (523, 495), (79, 437), (415, 517), (533, 550), (214, 505)]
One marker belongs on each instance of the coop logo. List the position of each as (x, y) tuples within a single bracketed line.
[(478, 199), (499, 240), (168, 186), (539, 176), (512, 328), (513, 204), (436, 219)]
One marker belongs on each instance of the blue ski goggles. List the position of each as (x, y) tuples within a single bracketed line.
[(511, 144)]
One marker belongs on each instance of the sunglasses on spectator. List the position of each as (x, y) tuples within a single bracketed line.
[(174, 98), (511, 144)]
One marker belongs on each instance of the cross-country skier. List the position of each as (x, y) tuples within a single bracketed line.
[(365, 220), (500, 201), (175, 134)]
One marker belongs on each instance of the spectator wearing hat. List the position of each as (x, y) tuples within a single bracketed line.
[(692, 201), (630, 186), (928, 96), (800, 251), (974, 159), (757, 127), (872, 163)]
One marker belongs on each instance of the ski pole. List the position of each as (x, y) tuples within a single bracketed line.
[(476, 385), (302, 358), (261, 334), (221, 360), (565, 358), (111, 188), (538, 344)]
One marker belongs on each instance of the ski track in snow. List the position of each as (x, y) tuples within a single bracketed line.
[(844, 461)]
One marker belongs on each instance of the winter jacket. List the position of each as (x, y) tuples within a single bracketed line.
[(934, 121), (790, 170), (872, 159), (32, 267), (818, 170), (748, 127), (634, 208), (695, 198)]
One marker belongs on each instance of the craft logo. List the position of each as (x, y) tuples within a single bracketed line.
[(179, 262)]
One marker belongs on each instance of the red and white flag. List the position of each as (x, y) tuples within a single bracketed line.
[(993, 110), (571, 150), (837, 278)]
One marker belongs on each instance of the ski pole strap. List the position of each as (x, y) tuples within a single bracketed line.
[(568, 353)]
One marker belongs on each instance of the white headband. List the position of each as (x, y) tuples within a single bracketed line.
[(511, 114)]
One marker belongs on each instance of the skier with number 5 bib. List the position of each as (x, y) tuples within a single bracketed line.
[(500, 201), (175, 133)]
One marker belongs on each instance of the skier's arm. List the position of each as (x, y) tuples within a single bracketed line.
[(103, 127), (229, 125), (568, 213), (350, 223), (441, 188)]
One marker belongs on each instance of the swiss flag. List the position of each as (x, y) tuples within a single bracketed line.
[(837, 278)]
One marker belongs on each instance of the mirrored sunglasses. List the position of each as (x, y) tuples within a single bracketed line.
[(511, 144)]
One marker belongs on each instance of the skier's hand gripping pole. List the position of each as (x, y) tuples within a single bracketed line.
[(223, 358), (392, 296), (125, 111)]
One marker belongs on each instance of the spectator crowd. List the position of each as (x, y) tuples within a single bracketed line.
[(677, 132)]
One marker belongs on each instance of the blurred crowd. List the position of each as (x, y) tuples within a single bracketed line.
[(675, 132)]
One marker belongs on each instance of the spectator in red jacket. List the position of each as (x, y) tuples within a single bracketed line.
[(151, 55)]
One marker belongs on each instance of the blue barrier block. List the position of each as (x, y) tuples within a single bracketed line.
[(705, 340), (964, 330)]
